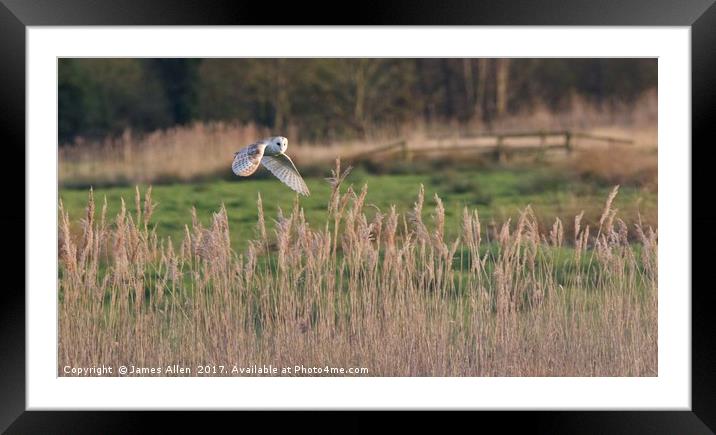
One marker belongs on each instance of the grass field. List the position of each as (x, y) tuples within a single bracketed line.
[(497, 193)]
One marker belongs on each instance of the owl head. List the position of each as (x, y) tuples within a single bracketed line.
[(280, 142)]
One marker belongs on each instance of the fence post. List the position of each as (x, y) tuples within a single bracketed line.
[(499, 153), (407, 155), (568, 141), (542, 142)]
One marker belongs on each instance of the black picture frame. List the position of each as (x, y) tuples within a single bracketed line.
[(16, 15)]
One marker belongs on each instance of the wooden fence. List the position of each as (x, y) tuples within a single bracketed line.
[(530, 142)]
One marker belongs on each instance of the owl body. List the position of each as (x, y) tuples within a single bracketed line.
[(246, 161), (270, 153)]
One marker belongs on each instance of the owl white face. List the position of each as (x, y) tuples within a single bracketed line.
[(278, 144)]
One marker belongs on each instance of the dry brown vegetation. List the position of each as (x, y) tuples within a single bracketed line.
[(389, 293), (618, 165), (204, 150)]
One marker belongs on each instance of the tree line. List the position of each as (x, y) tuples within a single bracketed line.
[(329, 98)]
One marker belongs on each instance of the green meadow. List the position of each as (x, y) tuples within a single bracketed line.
[(498, 194)]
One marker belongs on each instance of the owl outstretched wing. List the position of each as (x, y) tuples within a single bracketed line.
[(246, 160), (283, 168)]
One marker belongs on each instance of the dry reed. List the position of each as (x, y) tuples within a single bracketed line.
[(398, 298), (202, 150)]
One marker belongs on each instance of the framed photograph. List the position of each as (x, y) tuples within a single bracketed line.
[(452, 211)]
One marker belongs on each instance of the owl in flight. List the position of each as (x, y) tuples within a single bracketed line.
[(271, 153)]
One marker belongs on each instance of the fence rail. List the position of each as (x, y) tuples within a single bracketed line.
[(499, 149)]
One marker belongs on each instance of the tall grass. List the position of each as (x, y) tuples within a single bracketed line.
[(387, 292), (204, 150), (183, 153)]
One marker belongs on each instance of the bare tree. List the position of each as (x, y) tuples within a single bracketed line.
[(483, 66), (502, 77), (281, 103), (469, 85)]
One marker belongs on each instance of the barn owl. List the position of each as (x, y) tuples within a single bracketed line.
[(270, 153)]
